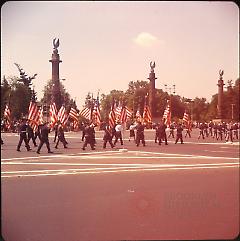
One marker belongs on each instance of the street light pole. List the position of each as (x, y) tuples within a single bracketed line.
[(169, 89), (232, 110)]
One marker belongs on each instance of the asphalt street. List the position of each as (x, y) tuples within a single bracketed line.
[(175, 191)]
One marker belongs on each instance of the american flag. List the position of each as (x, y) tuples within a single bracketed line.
[(53, 114), (129, 112), (33, 114), (40, 113), (167, 114), (138, 115), (187, 120), (74, 115), (185, 117), (7, 115), (112, 116), (125, 114), (96, 117), (62, 116), (118, 110), (147, 116), (86, 112)]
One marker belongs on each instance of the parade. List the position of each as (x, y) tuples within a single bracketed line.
[(119, 121)]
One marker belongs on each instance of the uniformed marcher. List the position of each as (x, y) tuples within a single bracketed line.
[(30, 134), (60, 136), (23, 135), (89, 137), (188, 130), (162, 133), (132, 127), (140, 134), (157, 133), (107, 136), (201, 131), (229, 136), (83, 131), (179, 133), (37, 132), (171, 133), (118, 133), (55, 128), (44, 132)]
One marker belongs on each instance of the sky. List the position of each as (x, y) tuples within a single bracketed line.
[(106, 44)]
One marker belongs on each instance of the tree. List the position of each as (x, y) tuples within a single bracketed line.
[(48, 92), (17, 95)]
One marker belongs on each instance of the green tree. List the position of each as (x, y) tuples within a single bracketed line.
[(48, 93), (17, 95)]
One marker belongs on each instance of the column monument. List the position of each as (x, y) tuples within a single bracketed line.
[(220, 95), (56, 95), (152, 79)]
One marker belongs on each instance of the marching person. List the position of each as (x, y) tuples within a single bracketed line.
[(44, 132), (37, 133), (131, 131), (118, 133), (201, 131), (229, 134), (30, 134), (171, 133), (162, 133), (140, 134), (107, 136), (157, 133), (179, 133), (55, 128), (89, 137), (83, 131), (215, 131), (23, 135), (220, 131), (188, 130), (60, 136)]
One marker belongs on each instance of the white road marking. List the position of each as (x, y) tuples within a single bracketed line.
[(96, 155), (94, 171), (114, 168), (110, 167)]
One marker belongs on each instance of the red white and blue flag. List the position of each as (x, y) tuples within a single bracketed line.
[(7, 116), (167, 114), (62, 115), (53, 114)]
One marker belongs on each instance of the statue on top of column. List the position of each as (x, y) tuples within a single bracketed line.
[(152, 65), (221, 72), (55, 45)]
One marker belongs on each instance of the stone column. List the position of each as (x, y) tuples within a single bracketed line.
[(152, 79), (56, 95), (220, 95)]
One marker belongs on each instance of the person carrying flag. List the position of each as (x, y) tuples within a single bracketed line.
[(23, 135), (60, 136), (107, 136), (118, 133), (89, 136), (140, 134), (30, 134), (44, 132)]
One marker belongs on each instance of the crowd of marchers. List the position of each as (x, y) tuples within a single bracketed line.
[(113, 135)]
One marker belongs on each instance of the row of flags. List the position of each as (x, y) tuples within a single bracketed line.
[(117, 113)]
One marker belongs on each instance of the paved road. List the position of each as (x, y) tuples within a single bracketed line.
[(188, 191)]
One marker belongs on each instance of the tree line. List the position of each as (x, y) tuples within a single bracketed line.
[(18, 96)]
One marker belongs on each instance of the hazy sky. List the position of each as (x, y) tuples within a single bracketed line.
[(105, 45)]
